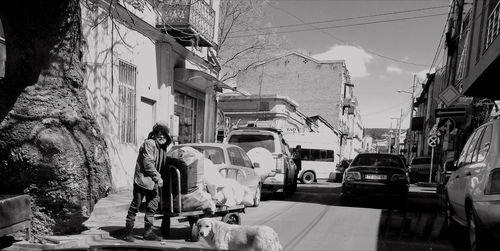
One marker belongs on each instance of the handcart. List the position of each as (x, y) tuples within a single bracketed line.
[(231, 215)]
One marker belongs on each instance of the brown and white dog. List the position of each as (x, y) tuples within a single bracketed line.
[(224, 236)]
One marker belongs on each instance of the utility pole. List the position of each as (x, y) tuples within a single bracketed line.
[(410, 132), (398, 133)]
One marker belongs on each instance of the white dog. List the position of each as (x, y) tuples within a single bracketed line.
[(223, 236)]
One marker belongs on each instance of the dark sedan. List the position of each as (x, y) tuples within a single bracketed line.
[(375, 175)]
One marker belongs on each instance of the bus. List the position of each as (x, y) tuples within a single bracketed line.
[(317, 154)]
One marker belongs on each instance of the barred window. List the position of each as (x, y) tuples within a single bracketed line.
[(126, 93)]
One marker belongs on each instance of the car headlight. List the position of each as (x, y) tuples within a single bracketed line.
[(352, 176), (493, 185), (399, 178)]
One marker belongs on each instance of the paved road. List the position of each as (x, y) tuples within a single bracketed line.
[(313, 219)]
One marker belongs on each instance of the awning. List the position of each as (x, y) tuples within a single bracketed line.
[(199, 80)]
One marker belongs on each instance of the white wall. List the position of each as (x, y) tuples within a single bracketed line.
[(104, 48)]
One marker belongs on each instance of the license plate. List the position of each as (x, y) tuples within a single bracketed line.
[(376, 177)]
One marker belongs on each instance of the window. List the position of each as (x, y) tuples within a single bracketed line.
[(126, 93), (3, 51), (248, 142), (215, 154), (247, 162), (378, 160), (469, 157), (461, 158), (235, 156), (317, 155), (484, 146), (185, 108)]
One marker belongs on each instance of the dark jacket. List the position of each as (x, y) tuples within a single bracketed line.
[(150, 160)]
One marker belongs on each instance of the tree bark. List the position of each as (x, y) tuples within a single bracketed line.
[(50, 144)]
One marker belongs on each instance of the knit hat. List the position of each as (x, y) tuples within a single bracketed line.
[(162, 127)]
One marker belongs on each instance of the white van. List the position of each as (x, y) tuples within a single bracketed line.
[(317, 154)]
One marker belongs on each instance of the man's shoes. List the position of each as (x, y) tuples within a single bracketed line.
[(128, 236), (150, 235)]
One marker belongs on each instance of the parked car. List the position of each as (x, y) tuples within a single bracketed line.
[(472, 192), (340, 168), (282, 175), (419, 168), (231, 157), (375, 174)]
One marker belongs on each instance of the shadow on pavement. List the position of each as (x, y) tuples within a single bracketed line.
[(317, 193), (177, 232)]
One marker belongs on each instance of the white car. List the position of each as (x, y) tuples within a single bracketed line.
[(282, 177), (473, 190)]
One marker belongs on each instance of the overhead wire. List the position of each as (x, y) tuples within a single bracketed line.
[(345, 42), (340, 26), (343, 19), (440, 44)]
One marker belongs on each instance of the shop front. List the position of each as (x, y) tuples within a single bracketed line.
[(195, 106)]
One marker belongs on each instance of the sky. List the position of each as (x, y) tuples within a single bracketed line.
[(381, 52)]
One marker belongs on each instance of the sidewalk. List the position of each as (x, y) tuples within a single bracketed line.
[(105, 225)]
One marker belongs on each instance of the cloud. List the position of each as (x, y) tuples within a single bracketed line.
[(393, 69), (355, 57), (422, 75)]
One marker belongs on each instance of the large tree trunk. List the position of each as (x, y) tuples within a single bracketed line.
[(50, 145)]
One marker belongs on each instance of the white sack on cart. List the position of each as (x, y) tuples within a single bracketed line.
[(225, 191)]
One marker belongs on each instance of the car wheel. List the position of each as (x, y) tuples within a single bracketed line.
[(476, 235), (308, 177), (256, 198)]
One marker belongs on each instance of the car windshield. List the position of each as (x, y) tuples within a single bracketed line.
[(377, 160), (215, 154), (250, 141)]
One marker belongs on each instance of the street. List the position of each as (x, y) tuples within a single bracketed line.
[(313, 219)]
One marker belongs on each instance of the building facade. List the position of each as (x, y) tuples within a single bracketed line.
[(459, 96), (321, 87), (137, 73), (265, 111)]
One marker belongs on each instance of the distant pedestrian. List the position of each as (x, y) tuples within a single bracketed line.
[(297, 159), (147, 180)]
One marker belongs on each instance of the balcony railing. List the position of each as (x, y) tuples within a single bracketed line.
[(493, 25), (188, 21)]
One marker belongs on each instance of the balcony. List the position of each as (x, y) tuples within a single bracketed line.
[(481, 66), (190, 22)]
